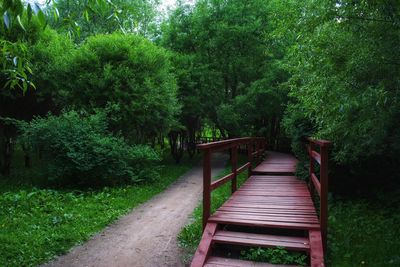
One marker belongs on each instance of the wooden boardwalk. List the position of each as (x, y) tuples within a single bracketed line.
[(273, 208)]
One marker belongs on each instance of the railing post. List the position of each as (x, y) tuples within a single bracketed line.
[(206, 186), (324, 191), (311, 168), (250, 156), (234, 168)]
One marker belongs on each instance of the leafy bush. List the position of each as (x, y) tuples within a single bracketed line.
[(128, 70), (79, 149)]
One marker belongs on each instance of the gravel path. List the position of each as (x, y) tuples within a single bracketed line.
[(147, 235)]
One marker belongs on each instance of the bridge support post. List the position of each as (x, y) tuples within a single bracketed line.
[(324, 192), (206, 186)]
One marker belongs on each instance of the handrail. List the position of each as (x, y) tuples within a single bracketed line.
[(255, 147), (321, 185)]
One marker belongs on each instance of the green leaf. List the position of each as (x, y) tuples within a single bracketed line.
[(29, 11), (86, 15), (20, 23), (42, 18), (56, 13)]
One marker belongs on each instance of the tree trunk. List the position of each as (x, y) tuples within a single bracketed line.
[(176, 142)]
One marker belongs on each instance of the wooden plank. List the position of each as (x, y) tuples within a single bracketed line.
[(283, 211), (204, 247), (234, 169), (268, 224), (244, 167), (316, 183), (227, 262), (269, 212), (316, 156), (278, 207), (261, 240), (221, 181), (206, 186), (270, 218), (316, 249)]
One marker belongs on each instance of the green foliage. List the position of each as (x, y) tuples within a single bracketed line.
[(190, 236), (344, 75), (364, 233), (38, 224), (48, 57), (225, 45), (78, 149), (128, 70), (258, 112), (128, 16), (20, 23), (274, 255)]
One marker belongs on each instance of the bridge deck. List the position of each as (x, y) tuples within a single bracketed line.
[(270, 201), (271, 198)]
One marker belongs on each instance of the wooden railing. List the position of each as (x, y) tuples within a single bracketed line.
[(320, 185), (255, 147)]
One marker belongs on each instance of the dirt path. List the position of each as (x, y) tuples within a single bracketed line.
[(147, 235)]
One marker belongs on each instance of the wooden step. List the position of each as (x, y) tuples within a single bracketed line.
[(225, 262), (261, 240)]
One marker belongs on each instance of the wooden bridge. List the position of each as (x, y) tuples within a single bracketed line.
[(273, 208)]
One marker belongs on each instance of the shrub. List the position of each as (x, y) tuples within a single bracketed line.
[(78, 149), (128, 70)]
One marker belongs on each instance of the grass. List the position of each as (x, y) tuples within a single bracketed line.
[(189, 237), (364, 232), (36, 224)]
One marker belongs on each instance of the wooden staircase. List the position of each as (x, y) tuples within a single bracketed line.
[(271, 209)]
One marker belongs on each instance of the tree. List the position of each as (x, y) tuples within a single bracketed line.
[(128, 16), (227, 49), (344, 76), (129, 71)]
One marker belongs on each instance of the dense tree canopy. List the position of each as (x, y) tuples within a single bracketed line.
[(228, 46), (345, 78), (326, 69)]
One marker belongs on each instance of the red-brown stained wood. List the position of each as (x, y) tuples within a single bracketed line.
[(324, 194), (203, 250), (222, 181), (250, 158), (206, 186), (262, 240), (316, 156), (242, 168), (234, 169), (316, 183), (316, 249), (271, 198), (267, 224), (226, 262)]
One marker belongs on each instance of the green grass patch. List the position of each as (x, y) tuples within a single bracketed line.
[(364, 233), (190, 236), (276, 255), (38, 224)]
